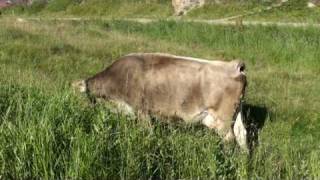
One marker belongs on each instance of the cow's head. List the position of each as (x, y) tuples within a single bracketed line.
[(79, 86), (82, 87)]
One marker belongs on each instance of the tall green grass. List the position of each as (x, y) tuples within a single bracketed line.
[(49, 132), (292, 11), (285, 47), (107, 8), (58, 136)]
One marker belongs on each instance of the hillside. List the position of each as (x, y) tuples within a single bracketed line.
[(48, 131), (290, 11)]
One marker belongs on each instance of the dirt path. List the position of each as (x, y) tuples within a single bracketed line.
[(236, 20), (256, 11), (222, 22)]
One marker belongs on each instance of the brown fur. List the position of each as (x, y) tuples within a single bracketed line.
[(173, 86)]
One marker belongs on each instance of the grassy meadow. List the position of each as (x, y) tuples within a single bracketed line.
[(291, 11), (47, 131)]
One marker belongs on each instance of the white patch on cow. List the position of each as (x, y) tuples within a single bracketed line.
[(240, 131), (209, 121), (124, 108), (215, 62), (198, 60)]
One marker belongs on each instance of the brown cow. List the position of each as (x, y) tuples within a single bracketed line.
[(194, 90)]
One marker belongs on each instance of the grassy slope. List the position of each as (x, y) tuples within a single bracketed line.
[(295, 11), (106, 8), (48, 131), (292, 11)]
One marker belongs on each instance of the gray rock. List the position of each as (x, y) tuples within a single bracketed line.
[(313, 3), (181, 7)]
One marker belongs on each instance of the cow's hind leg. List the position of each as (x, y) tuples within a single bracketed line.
[(218, 126), (240, 131)]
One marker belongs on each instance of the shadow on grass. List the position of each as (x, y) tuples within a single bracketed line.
[(255, 118)]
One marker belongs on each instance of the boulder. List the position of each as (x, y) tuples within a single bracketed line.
[(181, 7), (313, 3)]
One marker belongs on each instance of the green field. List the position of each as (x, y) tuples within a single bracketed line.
[(291, 11), (48, 131)]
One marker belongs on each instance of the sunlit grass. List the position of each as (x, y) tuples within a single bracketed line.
[(291, 11), (48, 131)]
